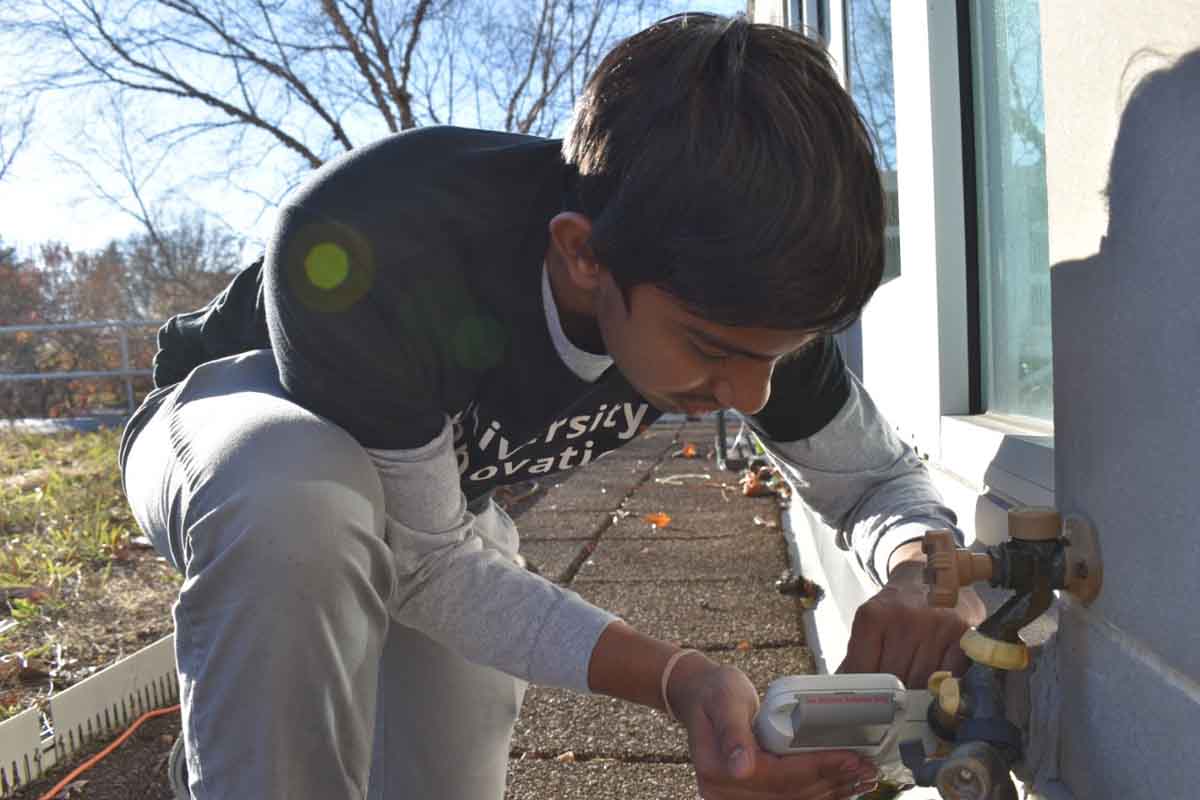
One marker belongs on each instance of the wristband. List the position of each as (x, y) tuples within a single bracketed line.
[(666, 675)]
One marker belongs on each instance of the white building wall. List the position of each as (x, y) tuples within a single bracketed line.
[(1127, 436), (1111, 707), (1092, 55)]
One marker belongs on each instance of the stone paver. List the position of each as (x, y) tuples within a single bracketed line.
[(542, 524), (702, 614), (706, 580), (760, 555), (553, 559), (670, 498), (694, 524), (589, 491), (538, 779)]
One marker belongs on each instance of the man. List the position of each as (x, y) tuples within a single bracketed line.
[(448, 310)]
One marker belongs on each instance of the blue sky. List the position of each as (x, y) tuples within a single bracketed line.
[(41, 199)]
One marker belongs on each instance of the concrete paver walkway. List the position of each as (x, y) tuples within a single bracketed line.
[(706, 580)]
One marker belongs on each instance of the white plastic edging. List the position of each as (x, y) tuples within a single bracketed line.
[(20, 750), (102, 704)]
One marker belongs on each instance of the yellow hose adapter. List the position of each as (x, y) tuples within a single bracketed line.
[(992, 652)]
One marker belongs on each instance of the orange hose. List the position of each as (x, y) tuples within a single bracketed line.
[(91, 762)]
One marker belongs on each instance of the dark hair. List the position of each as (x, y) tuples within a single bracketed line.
[(721, 161)]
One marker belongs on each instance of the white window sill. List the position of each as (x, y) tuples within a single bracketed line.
[(1011, 456), (990, 463)]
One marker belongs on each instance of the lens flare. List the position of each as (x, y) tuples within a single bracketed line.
[(327, 266)]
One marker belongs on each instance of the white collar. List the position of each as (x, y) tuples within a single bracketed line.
[(588, 366)]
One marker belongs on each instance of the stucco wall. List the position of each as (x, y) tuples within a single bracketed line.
[(1090, 59), (1126, 336)]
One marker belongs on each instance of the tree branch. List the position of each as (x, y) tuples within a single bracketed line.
[(188, 8), (406, 69), (185, 89), (360, 59), (8, 152)]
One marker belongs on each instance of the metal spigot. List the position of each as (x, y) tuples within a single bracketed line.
[(1043, 553)]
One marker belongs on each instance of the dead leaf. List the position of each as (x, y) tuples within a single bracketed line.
[(34, 671), (34, 594), (754, 486), (658, 519), (744, 645)]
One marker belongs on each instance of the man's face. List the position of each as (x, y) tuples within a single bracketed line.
[(683, 363)]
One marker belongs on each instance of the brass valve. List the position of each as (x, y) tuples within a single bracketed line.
[(949, 567), (947, 690), (1034, 524)]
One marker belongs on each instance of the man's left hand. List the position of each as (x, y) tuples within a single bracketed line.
[(897, 632)]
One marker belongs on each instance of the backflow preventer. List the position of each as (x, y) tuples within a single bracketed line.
[(952, 734), (1043, 553)]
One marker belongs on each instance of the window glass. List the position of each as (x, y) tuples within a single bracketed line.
[(869, 78), (1014, 255)]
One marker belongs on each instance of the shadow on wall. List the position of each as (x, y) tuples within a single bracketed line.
[(1153, 231), (1154, 179), (1126, 325), (1153, 188)]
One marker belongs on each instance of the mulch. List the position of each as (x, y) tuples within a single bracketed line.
[(137, 770)]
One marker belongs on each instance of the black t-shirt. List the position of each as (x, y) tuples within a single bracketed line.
[(403, 284)]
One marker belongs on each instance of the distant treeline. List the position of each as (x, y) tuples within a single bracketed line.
[(145, 276)]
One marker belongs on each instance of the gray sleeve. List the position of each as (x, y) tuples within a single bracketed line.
[(457, 581), (864, 482)]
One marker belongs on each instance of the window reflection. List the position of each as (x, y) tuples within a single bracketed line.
[(871, 84), (1014, 255)]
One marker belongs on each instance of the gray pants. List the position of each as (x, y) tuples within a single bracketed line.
[(294, 682)]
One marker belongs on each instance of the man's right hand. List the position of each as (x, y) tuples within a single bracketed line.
[(717, 704)]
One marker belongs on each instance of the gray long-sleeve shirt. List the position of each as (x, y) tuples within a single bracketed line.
[(461, 586)]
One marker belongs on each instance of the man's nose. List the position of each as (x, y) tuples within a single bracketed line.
[(744, 387)]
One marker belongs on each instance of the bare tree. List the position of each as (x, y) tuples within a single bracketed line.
[(182, 267), (536, 54), (278, 88), (179, 258), (320, 76), (13, 136)]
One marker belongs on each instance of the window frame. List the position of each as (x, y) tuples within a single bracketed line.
[(1006, 460)]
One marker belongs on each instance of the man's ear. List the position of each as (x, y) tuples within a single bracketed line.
[(570, 232)]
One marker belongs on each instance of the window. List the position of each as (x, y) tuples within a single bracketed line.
[(1013, 254), (870, 81)]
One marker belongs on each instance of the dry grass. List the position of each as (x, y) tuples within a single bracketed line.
[(77, 589)]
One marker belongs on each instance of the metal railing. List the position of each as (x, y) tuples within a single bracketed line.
[(126, 371)]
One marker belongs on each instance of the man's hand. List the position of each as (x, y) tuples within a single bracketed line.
[(896, 631), (717, 704)]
